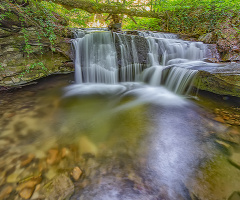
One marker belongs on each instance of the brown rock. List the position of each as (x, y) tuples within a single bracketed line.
[(26, 193), (76, 173), (236, 48), (219, 119), (64, 152), (5, 192), (235, 160), (27, 160), (60, 188), (8, 115), (87, 146), (29, 183), (42, 165), (235, 196), (52, 156)]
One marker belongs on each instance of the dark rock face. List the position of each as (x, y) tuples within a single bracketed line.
[(18, 67), (213, 54), (234, 196), (141, 45), (224, 80)]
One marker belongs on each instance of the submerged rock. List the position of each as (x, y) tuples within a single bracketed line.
[(60, 187), (234, 196), (86, 146), (235, 160), (223, 80), (76, 173), (26, 193), (5, 192), (52, 156)]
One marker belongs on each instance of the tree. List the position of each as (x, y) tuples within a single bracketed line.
[(117, 8)]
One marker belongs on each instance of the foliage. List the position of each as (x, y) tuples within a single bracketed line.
[(76, 18), (194, 17), (50, 21)]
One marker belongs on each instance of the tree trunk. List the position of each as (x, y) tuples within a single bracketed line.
[(93, 7)]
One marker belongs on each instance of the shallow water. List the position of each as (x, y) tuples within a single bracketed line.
[(132, 141)]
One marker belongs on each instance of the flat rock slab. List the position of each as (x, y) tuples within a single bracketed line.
[(235, 159), (223, 79), (234, 196)]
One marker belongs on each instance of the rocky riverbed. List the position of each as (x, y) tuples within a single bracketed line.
[(48, 152)]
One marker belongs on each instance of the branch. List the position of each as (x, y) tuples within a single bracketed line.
[(93, 7)]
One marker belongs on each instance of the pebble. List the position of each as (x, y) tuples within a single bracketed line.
[(29, 183), (64, 152), (52, 156), (26, 193), (27, 160), (76, 173), (5, 192), (219, 119), (8, 115), (12, 178)]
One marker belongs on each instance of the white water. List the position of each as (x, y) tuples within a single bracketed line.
[(169, 59), (95, 58)]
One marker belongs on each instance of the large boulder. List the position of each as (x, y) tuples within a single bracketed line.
[(223, 80), (60, 187)]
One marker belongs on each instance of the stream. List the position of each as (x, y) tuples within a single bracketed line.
[(145, 136)]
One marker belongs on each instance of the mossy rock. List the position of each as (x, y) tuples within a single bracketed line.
[(223, 83)]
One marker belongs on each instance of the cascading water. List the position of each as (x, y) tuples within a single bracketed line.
[(130, 66), (96, 59), (138, 139), (166, 54)]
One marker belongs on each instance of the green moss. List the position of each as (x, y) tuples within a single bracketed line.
[(218, 83)]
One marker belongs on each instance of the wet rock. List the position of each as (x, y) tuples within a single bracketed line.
[(224, 144), (29, 183), (60, 187), (14, 177), (86, 146), (37, 195), (5, 192), (26, 193), (207, 38), (64, 152), (234, 196), (219, 119), (51, 173), (52, 156), (76, 173), (225, 147), (8, 115), (27, 160), (42, 165), (222, 80), (235, 160)]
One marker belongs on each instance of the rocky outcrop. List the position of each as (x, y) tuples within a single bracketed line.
[(18, 67), (141, 45), (31, 48), (223, 80), (227, 40)]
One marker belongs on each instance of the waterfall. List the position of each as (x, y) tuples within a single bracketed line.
[(166, 53), (95, 58), (103, 57), (130, 67)]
